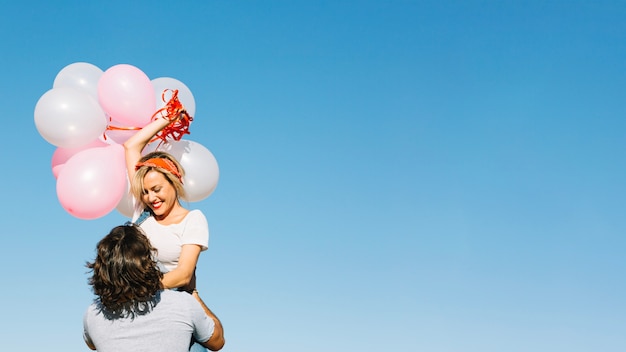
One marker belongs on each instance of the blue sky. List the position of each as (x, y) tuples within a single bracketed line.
[(397, 175)]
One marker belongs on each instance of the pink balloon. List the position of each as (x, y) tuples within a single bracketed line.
[(126, 94), (62, 155), (92, 182)]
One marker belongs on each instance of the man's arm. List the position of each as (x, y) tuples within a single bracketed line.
[(216, 342)]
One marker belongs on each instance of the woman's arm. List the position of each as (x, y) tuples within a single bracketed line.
[(135, 144), (196, 235), (183, 274)]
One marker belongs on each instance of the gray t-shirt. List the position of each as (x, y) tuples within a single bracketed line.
[(167, 328)]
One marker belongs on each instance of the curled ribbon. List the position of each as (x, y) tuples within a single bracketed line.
[(175, 112)]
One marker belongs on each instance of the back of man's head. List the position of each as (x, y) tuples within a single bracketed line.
[(125, 275)]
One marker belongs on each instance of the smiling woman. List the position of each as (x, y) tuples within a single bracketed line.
[(158, 184), (178, 235)]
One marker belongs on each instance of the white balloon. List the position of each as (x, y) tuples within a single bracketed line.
[(184, 94), (69, 118), (126, 204), (201, 169), (80, 75)]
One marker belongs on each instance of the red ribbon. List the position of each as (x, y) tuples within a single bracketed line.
[(117, 128), (175, 112)]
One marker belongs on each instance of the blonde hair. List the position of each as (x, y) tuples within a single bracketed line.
[(136, 184)]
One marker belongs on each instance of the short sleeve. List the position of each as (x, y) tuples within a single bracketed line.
[(86, 328), (203, 325), (196, 230)]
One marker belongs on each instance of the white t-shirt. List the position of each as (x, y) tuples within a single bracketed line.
[(167, 328), (168, 239)]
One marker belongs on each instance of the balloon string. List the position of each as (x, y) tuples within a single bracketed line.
[(175, 112), (118, 128)]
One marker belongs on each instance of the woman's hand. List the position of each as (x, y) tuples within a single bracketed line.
[(191, 286)]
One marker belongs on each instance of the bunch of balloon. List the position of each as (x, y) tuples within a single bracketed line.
[(88, 114), (73, 116)]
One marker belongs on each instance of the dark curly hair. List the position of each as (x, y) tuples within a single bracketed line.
[(125, 275)]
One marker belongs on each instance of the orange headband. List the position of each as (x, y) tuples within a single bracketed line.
[(161, 163)]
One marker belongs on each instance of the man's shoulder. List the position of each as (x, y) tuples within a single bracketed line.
[(177, 296), (91, 310)]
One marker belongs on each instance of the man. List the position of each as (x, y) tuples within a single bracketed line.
[(132, 312)]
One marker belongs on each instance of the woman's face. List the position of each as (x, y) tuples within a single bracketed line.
[(159, 194)]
